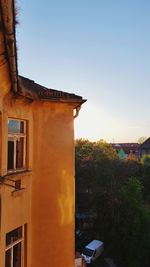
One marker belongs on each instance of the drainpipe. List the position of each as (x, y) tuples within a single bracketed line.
[(77, 109)]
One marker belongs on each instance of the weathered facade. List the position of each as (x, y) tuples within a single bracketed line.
[(36, 164)]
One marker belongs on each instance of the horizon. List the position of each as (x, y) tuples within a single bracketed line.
[(113, 141)]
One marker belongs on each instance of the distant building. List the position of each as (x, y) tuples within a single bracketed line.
[(126, 150), (144, 149)]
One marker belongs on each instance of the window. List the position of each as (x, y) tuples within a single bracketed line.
[(14, 253), (16, 144)]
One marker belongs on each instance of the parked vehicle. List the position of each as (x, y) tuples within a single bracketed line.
[(92, 251)]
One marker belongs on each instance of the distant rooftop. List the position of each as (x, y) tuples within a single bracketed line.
[(146, 144), (127, 147)]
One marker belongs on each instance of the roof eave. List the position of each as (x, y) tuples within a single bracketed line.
[(7, 8), (72, 101), (36, 92)]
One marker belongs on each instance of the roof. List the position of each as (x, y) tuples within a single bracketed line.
[(7, 21), (33, 91), (145, 145), (122, 153), (127, 147), (94, 244)]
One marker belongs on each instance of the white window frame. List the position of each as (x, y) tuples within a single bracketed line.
[(11, 247), (15, 137)]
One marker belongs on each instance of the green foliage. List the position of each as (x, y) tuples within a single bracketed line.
[(94, 167), (107, 185), (133, 226), (131, 191), (145, 160)]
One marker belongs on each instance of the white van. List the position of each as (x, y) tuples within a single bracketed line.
[(92, 251)]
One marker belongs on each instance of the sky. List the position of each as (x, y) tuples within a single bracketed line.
[(99, 49)]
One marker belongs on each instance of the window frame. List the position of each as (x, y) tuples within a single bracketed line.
[(15, 137), (11, 246)]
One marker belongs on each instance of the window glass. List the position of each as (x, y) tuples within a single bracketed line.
[(8, 258), (16, 145), (19, 153), (17, 255), (13, 236), (15, 251), (88, 252), (15, 126), (10, 162)]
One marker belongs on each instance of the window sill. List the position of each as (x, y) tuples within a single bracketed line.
[(19, 173)]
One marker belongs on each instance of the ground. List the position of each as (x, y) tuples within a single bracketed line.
[(102, 262)]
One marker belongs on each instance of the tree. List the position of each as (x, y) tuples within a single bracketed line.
[(107, 185), (145, 178), (132, 231), (94, 166), (95, 183), (145, 160)]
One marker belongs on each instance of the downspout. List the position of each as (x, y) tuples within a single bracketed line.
[(77, 109)]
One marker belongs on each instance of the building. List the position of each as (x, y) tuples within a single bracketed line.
[(127, 150), (144, 148), (36, 163)]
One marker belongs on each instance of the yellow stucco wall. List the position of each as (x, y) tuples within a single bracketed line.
[(15, 206), (15, 209), (53, 186), (47, 203)]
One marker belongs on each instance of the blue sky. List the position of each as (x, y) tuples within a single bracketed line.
[(99, 49)]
